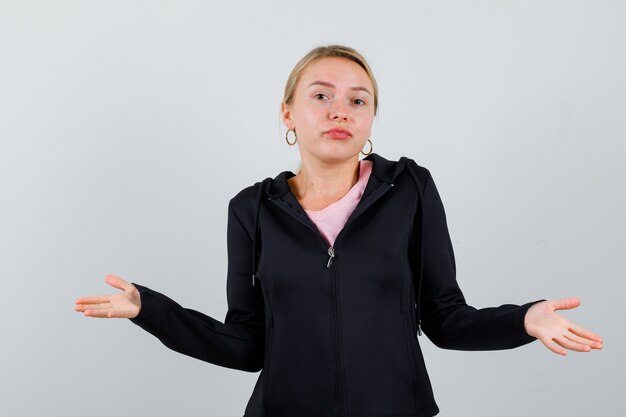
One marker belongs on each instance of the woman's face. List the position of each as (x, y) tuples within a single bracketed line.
[(331, 93)]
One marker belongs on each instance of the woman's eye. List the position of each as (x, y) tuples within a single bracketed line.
[(320, 96), (359, 102)]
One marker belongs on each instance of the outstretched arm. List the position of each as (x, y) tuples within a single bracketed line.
[(452, 324), (236, 343), (447, 319), (556, 332)]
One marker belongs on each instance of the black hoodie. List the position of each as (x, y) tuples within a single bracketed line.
[(333, 329)]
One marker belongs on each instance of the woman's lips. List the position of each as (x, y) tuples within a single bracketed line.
[(338, 133)]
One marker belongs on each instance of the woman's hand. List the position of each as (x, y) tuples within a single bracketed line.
[(556, 332), (122, 305)]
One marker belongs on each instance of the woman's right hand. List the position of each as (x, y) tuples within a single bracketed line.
[(122, 305)]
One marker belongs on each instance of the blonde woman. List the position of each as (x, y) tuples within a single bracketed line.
[(334, 270)]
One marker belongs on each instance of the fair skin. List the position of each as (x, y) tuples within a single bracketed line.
[(329, 169), (331, 93)]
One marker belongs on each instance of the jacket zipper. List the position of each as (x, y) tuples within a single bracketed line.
[(331, 253), (336, 331), (337, 362), (337, 359)]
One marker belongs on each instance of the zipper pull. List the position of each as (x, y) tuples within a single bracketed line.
[(253, 280), (331, 252)]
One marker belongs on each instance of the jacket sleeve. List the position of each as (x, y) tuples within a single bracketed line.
[(237, 343), (447, 320)]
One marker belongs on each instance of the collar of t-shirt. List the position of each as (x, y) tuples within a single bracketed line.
[(331, 219)]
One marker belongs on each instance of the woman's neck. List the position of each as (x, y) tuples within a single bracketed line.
[(320, 184)]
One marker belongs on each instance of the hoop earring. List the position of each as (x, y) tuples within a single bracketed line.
[(294, 135), (371, 148)]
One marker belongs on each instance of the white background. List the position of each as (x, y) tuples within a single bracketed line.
[(126, 126)]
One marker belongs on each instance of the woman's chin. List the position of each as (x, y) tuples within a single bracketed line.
[(338, 155)]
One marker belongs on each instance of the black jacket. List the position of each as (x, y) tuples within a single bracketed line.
[(334, 329)]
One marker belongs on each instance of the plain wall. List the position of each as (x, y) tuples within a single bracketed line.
[(126, 126)]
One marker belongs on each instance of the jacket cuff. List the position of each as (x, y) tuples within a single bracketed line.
[(148, 305)]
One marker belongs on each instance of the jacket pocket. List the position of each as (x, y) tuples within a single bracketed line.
[(380, 373), (424, 401), (268, 358), (410, 352)]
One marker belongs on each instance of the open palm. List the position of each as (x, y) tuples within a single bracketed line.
[(121, 305), (555, 331)]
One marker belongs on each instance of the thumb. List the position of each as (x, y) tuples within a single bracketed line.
[(567, 303), (117, 282)]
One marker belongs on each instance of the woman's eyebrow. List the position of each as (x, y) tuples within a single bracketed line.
[(324, 83)]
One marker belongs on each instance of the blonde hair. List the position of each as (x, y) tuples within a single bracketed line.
[(340, 51)]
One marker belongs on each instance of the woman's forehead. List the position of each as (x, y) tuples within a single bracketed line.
[(335, 70)]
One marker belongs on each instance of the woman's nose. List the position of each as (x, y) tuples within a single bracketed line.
[(339, 112)]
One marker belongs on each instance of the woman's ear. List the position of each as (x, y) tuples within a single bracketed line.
[(287, 116)]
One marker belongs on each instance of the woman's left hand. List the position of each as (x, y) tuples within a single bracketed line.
[(556, 332)]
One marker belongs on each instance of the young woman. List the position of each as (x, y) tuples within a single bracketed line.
[(332, 272)]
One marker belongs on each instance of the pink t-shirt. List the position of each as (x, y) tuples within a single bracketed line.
[(331, 219)]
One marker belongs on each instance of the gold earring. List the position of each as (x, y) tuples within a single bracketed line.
[(371, 148), (294, 135)]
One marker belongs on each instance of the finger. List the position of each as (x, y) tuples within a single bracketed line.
[(568, 344), (567, 303), (582, 341), (579, 331), (98, 299), (117, 282), (85, 307), (97, 313), (554, 347)]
